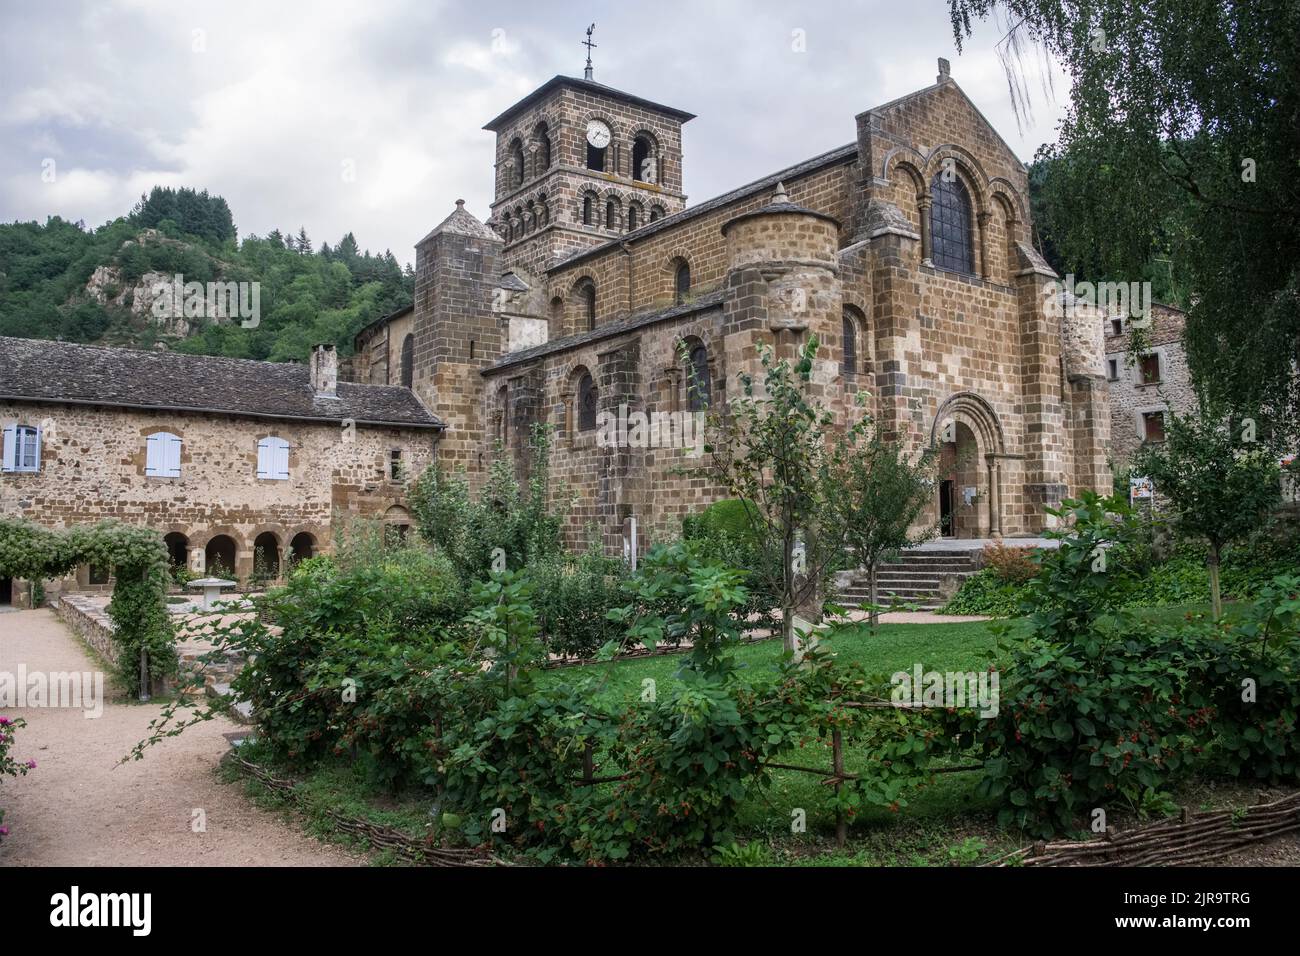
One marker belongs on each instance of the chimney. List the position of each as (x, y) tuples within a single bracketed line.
[(325, 371)]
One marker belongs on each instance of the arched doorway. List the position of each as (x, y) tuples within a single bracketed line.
[(219, 557), (302, 547), (968, 437), (959, 483), (178, 549), (266, 557)]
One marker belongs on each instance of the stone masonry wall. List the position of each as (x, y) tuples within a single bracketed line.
[(93, 464)]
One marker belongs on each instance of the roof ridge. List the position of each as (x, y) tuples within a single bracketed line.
[(715, 202)]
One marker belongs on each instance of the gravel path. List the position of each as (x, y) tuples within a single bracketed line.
[(77, 808)]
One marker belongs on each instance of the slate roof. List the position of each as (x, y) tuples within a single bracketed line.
[(590, 86), (838, 155), (33, 370), (462, 222), (710, 300)]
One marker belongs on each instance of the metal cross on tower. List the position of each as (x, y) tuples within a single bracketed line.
[(589, 45)]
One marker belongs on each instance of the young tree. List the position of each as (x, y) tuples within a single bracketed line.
[(883, 492), (815, 493), (1219, 479), (770, 452)]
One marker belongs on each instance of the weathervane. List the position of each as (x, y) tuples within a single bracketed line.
[(588, 44)]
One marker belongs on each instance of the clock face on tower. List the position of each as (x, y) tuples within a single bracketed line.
[(598, 134)]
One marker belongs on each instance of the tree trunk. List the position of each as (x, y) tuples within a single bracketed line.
[(873, 596), (1216, 600), (787, 630)]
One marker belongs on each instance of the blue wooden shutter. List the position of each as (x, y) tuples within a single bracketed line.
[(11, 448)]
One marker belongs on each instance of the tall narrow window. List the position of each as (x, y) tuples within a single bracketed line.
[(586, 210), (162, 455), (22, 448), (611, 215), (517, 161), (849, 360), (633, 216), (1149, 367), (273, 459), (642, 160), (698, 387), (950, 226), (396, 465), (589, 303), (408, 360), (681, 282), (587, 401)]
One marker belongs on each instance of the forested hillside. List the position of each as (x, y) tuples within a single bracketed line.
[(63, 281)]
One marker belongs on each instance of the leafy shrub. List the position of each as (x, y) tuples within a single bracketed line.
[(9, 767), (1010, 565), (573, 597), (985, 593), (516, 520)]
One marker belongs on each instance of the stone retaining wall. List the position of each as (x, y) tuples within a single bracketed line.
[(89, 620)]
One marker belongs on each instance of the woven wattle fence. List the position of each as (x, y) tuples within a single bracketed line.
[(380, 837), (1189, 839)]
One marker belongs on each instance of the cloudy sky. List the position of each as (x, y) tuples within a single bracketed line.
[(269, 102)]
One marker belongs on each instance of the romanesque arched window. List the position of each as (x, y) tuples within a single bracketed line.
[(656, 213), (849, 334), (589, 303), (950, 226), (517, 159), (542, 137), (633, 215), (587, 401), (557, 316), (611, 213), (681, 281), (587, 211), (408, 360), (643, 159), (698, 386)]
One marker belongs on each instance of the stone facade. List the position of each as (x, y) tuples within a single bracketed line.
[(94, 460), (542, 319), (1141, 391)]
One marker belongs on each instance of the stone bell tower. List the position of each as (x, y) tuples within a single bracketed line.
[(579, 163)]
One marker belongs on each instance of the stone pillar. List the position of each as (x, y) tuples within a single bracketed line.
[(995, 497), (984, 218), (923, 206)]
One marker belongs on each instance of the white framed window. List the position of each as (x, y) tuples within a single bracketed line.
[(162, 455), (22, 448), (273, 459)]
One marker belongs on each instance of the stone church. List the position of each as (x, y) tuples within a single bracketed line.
[(594, 292), (593, 286)]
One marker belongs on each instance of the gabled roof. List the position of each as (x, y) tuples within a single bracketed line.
[(936, 87), (588, 86), (33, 370)]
